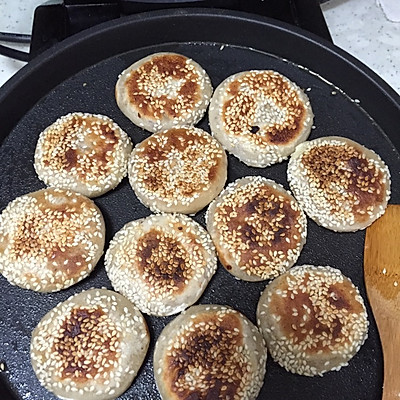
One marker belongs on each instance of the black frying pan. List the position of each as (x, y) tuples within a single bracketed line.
[(80, 74)]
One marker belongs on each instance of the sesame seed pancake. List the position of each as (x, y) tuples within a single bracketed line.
[(83, 152), (90, 346), (163, 90), (210, 352), (50, 239), (339, 183), (260, 116), (313, 319), (162, 263), (257, 227), (179, 170)]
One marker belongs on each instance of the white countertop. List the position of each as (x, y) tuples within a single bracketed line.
[(363, 29), (360, 27)]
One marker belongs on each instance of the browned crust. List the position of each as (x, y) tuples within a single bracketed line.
[(288, 228), (77, 338), (163, 260), (177, 140), (251, 225), (90, 346), (210, 351), (162, 263), (178, 170), (60, 136), (30, 240), (160, 68), (310, 316), (279, 91), (223, 257), (274, 216), (43, 252), (348, 167)]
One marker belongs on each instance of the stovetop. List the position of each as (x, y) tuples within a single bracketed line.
[(361, 27), (56, 20)]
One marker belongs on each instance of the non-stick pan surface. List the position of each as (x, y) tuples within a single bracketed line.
[(91, 89)]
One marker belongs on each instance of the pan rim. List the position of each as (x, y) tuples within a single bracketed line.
[(123, 56), (25, 82)]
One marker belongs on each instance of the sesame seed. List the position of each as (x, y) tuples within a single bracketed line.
[(260, 113), (52, 243), (164, 90), (83, 152), (330, 319), (261, 215), (77, 348), (154, 263), (340, 184), (178, 170)]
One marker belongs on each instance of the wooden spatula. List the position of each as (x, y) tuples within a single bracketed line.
[(382, 279)]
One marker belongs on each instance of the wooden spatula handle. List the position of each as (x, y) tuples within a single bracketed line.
[(382, 280), (389, 329)]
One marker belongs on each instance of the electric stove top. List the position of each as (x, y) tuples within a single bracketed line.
[(56, 20)]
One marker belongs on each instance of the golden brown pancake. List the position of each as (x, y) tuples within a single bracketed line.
[(257, 227), (161, 263), (210, 352), (260, 116), (163, 90), (179, 170), (50, 239), (313, 319), (87, 153), (89, 347), (339, 183)]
